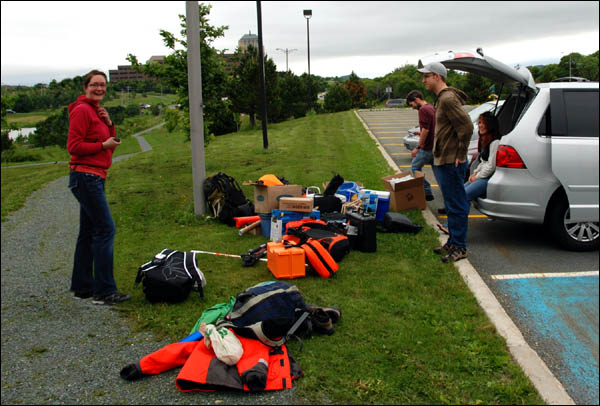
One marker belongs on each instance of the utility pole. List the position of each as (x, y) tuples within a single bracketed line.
[(195, 96), (261, 67), (286, 56)]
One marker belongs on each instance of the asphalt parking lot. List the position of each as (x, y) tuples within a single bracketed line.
[(550, 294)]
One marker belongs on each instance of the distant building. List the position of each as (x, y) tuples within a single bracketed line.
[(248, 39), (126, 72)]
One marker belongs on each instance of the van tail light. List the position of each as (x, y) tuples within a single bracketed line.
[(508, 157)]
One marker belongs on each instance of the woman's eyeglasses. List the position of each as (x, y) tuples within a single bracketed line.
[(97, 85)]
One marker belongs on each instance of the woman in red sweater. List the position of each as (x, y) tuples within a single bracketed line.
[(92, 140)]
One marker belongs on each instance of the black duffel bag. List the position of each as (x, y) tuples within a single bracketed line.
[(170, 277)]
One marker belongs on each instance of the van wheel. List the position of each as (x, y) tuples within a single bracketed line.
[(572, 235)]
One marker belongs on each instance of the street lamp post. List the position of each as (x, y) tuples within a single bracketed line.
[(308, 15), (287, 51)]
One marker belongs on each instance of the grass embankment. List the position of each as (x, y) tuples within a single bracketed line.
[(410, 332)]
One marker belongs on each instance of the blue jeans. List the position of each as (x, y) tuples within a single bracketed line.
[(423, 158), (93, 262), (476, 189), (451, 180)]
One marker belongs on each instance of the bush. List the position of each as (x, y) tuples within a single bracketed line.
[(52, 131), (117, 114), (6, 141), (337, 99), (132, 110), (224, 119), (172, 120)]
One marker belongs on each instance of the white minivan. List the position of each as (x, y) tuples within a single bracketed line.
[(547, 161)]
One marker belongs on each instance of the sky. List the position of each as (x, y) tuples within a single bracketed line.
[(42, 41)]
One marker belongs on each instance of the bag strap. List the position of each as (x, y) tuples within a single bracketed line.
[(189, 264)]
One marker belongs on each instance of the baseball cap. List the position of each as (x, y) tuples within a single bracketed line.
[(434, 67)]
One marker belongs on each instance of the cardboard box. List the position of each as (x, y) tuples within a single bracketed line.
[(408, 194), (301, 204), (266, 198)]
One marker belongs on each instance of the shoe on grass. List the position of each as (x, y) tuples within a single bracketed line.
[(444, 249), (83, 295), (455, 254), (109, 300)]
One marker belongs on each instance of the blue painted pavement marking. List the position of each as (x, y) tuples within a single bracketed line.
[(563, 313)]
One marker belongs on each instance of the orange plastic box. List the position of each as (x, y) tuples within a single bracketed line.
[(285, 263)]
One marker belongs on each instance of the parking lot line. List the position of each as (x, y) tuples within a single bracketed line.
[(471, 216), (545, 275)]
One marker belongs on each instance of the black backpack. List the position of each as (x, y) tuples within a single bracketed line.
[(269, 312), (170, 276), (225, 198)]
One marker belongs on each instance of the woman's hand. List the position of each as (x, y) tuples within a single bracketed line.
[(473, 178), (112, 142), (103, 114)]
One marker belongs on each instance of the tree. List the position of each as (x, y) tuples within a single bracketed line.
[(244, 86), (52, 131), (293, 91), (357, 90), (337, 99), (174, 70)]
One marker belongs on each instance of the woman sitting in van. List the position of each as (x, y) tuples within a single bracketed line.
[(489, 139)]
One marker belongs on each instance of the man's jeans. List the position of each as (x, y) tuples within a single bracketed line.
[(423, 158), (451, 180), (93, 263)]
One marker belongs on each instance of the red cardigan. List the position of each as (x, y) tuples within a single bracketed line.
[(86, 134)]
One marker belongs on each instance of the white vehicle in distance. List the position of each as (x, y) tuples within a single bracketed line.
[(547, 161)]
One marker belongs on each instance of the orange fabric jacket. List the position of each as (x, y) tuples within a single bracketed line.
[(260, 368)]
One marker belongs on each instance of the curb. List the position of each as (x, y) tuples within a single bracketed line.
[(549, 388)]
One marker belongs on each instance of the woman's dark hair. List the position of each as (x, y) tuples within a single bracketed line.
[(491, 124), (493, 129), (90, 75)]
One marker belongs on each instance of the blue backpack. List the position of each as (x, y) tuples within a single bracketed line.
[(270, 312)]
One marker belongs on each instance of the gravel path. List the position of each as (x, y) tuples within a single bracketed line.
[(57, 349)]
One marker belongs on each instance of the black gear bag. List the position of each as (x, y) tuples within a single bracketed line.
[(170, 276)]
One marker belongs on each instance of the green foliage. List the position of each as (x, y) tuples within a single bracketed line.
[(117, 114), (132, 110), (337, 99), (172, 120), (52, 131), (174, 71), (244, 86), (6, 141)]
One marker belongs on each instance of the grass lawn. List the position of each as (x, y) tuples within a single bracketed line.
[(410, 332)]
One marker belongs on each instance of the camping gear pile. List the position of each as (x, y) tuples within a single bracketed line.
[(241, 344)]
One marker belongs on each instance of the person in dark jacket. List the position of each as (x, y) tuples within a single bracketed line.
[(453, 130), (91, 142)]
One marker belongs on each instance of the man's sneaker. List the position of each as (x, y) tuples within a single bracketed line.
[(455, 254), (83, 295), (444, 249), (109, 300)]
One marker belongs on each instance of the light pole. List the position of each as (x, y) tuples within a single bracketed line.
[(570, 75), (286, 55), (308, 15)]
